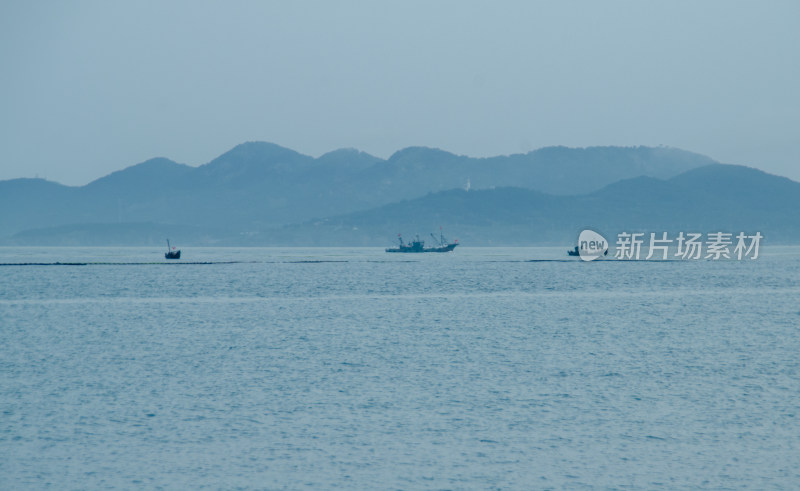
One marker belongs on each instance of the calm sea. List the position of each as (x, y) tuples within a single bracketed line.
[(355, 369)]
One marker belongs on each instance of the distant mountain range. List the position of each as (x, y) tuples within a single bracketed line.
[(714, 198), (264, 194)]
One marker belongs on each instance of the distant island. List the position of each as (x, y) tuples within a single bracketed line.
[(260, 193)]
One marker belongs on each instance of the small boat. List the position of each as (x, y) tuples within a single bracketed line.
[(576, 252), (172, 253), (418, 245)]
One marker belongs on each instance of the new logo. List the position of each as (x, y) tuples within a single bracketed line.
[(591, 245)]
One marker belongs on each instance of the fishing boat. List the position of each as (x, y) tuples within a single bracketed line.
[(418, 245), (172, 252)]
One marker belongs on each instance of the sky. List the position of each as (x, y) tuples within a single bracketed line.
[(91, 87)]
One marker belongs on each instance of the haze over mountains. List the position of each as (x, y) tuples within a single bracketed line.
[(263, 194)]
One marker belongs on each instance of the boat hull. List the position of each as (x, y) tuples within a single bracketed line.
[(172, 255)]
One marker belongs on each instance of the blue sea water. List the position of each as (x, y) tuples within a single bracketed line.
[(356, 369)]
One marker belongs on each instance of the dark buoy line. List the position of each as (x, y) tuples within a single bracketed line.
[(124, 264)]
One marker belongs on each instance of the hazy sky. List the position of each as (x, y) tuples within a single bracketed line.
[(90, 87)]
